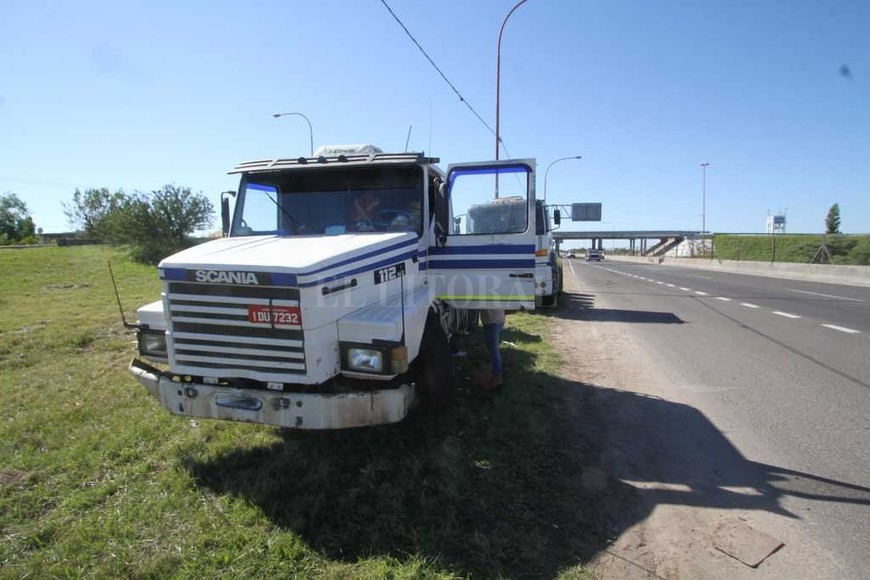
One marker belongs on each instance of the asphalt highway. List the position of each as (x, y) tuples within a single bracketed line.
[(779, 371)]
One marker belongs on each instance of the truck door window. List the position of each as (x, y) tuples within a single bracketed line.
[(260, 212), (489, 201)]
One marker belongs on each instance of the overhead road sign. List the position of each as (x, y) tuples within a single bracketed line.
[(586, 212)]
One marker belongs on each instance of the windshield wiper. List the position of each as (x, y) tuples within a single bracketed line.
[(296, 225)]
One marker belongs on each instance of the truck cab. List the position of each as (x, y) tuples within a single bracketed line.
[(331, 299), (511, 211), (548, 270)]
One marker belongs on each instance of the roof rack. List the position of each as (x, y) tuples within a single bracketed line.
[(338, 160)]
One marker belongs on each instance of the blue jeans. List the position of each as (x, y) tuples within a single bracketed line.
[(492, 337)]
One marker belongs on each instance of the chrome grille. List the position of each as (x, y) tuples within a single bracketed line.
[(210, 331)]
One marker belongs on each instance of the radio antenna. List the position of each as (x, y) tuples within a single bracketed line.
[(128, 325), (408, 138)]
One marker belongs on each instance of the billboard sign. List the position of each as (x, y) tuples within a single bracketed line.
[(586, 212)]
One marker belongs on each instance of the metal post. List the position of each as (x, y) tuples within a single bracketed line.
[(704, 167), (310, 130), (547, 172), (498, 78)]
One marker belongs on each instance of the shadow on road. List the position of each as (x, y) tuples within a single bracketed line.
[(526, 482), (579, 306)]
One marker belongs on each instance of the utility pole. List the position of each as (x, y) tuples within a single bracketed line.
[(704, 167), (498, 88)]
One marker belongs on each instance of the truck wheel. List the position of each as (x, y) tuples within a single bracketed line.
[(561, 281), (434, 376)]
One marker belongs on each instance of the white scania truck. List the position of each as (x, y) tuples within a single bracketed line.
[(331, 299), (548, 271)]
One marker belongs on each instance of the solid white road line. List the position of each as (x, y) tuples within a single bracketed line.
[(748, 305), (786, 314), (825, 295), (842, 329)]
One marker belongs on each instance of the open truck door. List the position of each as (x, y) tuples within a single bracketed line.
[(486, 257)]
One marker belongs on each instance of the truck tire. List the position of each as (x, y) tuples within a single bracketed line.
[(434, 374), (549, 300)]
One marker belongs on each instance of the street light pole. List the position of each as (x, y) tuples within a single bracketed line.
[(498, 79), (310, 130), (704, 167), (547, 172)]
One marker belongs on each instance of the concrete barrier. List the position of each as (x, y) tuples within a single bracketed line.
[(827, 273)]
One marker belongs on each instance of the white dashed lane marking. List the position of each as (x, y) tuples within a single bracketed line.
[(785, 314), (842, 329), (755, 306), (825, 295)]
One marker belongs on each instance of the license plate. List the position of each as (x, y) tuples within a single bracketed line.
[(277, 315)]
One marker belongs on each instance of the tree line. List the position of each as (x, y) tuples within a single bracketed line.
[(154, 225), (16, 225)]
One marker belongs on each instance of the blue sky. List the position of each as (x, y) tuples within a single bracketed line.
[(137, 94)]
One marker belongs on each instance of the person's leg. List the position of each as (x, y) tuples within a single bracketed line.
[(496, 354), (490, 339)]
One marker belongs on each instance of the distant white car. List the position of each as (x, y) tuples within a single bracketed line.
[(594, 256)]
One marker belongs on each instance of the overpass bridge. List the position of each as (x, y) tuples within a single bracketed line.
[(638, 241)]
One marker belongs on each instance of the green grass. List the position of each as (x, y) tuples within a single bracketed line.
[(97, 480), (845, 250)]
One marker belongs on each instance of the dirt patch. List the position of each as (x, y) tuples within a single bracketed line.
[(39, 325), (66, 286), (13, 477)]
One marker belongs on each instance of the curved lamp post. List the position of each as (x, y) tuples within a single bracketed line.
[(547, 172), (310, 130), (498, 77)]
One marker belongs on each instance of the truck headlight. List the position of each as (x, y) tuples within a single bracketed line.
[(365, 360), (152, 344)]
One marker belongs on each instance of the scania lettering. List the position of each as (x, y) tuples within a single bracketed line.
[(227, 277), (332, 297)]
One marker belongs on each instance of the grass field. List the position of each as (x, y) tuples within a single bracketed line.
[(844, 250), (97, 480)]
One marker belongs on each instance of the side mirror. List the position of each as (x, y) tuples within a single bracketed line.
[(557, 217), (225, 211)]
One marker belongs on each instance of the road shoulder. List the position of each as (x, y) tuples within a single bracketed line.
[(664, 496)]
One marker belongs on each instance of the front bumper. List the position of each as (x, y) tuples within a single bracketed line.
[(293, 410)]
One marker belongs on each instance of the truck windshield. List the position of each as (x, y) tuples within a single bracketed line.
[(331, 202)]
